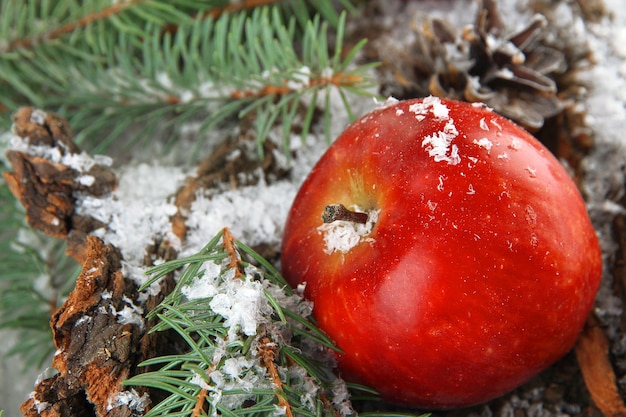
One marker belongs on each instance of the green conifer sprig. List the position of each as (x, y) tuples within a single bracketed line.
[(159, 64), (230, 368)]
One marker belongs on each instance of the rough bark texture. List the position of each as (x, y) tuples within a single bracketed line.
[(45, 188), (97, 346)]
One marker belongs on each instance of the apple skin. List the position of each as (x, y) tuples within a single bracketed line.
[(479, 272)]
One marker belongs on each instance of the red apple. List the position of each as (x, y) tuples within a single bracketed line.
[(477, 266)]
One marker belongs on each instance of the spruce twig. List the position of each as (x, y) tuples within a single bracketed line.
[(231, 368), (127, 68)]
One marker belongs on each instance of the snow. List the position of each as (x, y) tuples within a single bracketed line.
[(204, 286), (255, 214), (130, 314), (81, 162), (138, 211), (131, 399), (484, 143), (388, 102), (439, 145), (342, 236), (242, 304)]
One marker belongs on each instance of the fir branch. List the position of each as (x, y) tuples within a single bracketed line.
[(229, 368), (117, 71), (67, 28)]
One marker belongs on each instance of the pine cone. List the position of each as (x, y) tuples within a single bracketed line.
[(509, 71)]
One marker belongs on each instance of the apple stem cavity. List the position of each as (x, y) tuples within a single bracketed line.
[(334, 212)]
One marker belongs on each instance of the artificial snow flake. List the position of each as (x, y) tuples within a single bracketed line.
[(341, 236)]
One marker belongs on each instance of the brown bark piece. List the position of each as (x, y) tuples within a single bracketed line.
[(46, 188), (96, 347), (44, 129), (592, 353)]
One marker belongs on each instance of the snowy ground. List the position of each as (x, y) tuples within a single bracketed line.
[(141, 206)]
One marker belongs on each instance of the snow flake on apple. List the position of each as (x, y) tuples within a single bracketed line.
[(438, 145), (484, 143), (341, 236)]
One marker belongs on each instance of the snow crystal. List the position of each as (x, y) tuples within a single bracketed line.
[(234, 367), (440, 185), (81, 162), (130, 314), (138, 211), (86, 180), (440, 110), (341, 236), (302, 382), (236, 374), (240, 300), (40, 406), (439, 145), (131, 399), (83, 319), (341, 398), (389, 102), (300, 79), (38, 117), (206, 285), (138, 275), (496, 124), (255, 214), (484, 143), (516, 144), (242, 305), (430, 104), (198, 380)]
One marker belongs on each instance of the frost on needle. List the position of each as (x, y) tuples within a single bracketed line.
[(249, 341)]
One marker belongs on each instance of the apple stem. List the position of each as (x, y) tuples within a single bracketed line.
[(333, 212)]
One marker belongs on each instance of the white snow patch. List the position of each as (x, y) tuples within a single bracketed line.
[(484, 143), (516, 144), (129, 314), (131, 399), (254, 214), (138, 211), (241, 305), (389, 102), (206, 285), (341, 399), (81, 162), (341, 236), (439, 145), (430, 104), (241, 301), (86, 180)]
